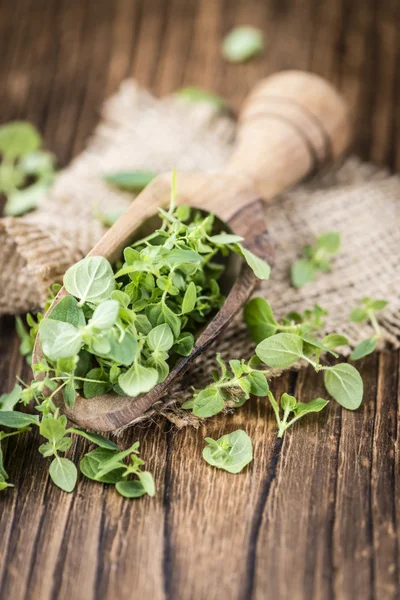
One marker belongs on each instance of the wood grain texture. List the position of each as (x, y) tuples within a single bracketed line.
[(316, 516)]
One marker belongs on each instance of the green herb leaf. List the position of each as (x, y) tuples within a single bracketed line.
[(91, 280), (59, 339), (208, 402), (8, 401), (377, 304), (317, 344), (52, 429), (231, 452), (18, 138), (70, 394), (105, 315), (160, 338), (189, 299), (130, 489), (358, 315), (364, 348), (334, 340), (196, 94), (345, 385), (281, 350), (122, 352), (64, 473), (147, 481), (131, 181), (91, 389), (242, 43), (23, 201), (222, 239), (138, 380), (258, 384), (90, 466), (184, 344), (96, 438), (259, 319), (17, 420), (303, 271), (288, 402), (180, 256), (260, 268), (329, 241), (68, 311), (316, 405)]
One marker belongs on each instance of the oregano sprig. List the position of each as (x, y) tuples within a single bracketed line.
[(315, 258), (361, 314)]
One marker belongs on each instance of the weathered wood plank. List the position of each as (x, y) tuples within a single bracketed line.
[(353, 526), (212, 517), (294, 548), (384, 535)]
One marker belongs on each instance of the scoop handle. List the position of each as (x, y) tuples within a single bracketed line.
[(291, 124)]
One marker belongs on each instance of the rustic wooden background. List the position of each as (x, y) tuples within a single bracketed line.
[(316, 516)]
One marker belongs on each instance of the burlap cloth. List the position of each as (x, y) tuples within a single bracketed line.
[(137, 131)]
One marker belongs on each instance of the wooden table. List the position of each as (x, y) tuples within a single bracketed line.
[(316, 516)]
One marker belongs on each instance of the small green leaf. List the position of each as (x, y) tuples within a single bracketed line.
[(258, 384), (181, 256), (260, 268), (90, 466), (231, 452), (317, 344), (242, 43), (288, 403), (160, 338), (8, 401), (189, 299), (329, 241), (358, 315), (196, 94), (91, 389), (23, 201), (377, 304), (334, 340), (18, 138), (37, 163), (59, 339), (96, 438), (364, 348), (138, 380), (316, 405), (52, 429), (130, 489), (222, 239), (105, 315), (281, 350), (131, 181), (17, 420), (184, 344), (64, 473), (68, 311), (302, 272), (208, 402), (345, 385), (123, 352), (91, 280), (70, 394), (147, 481), (259, 319)]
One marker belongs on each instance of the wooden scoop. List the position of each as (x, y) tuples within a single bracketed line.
[(292, 123)]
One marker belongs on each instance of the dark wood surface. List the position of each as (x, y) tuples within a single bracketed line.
[(316, 516)]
